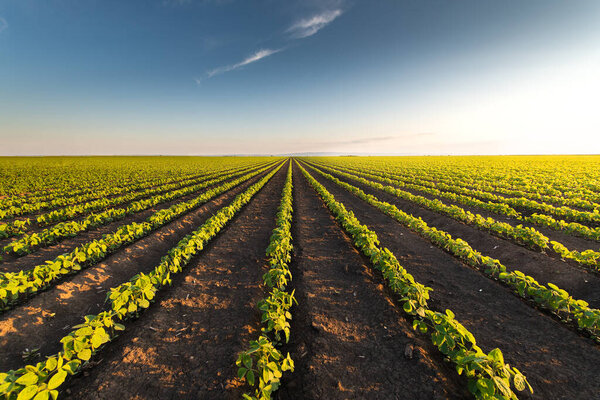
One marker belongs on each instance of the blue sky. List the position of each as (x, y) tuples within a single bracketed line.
[(222, 77)]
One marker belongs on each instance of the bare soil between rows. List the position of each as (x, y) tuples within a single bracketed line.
[(185, 345), (44, 319), (558, 362), (581, 283), (41, 254), (349, 339)]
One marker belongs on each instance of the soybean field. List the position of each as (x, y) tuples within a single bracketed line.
[(300, 277)]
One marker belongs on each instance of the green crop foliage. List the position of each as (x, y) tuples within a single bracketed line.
[(28, 242), (126, 301), (520, 234), (556, 300), (262, 365), (488, 376), (16, 286)]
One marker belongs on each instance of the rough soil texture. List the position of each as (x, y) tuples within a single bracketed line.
[(44, 319), (349, 339), (558, 362), (579, 282), (14, 263), (185, 345)]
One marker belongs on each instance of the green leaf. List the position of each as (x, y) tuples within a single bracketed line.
[(97, 341), (57, 379), (415, 324), (43, 395), (119, 327), (503, 385), (87, 330), (250, 377), (247, 361), (29, 378), (84, 354), (27, 393), (72, 366), (51, 364), (485, 386), (519, 382), (496, 355)]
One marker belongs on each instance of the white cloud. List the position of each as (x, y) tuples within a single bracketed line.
[(308, 27), (3, 24), (301, 29), (258, 55)]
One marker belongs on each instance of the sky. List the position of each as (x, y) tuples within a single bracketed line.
[(273, 77)]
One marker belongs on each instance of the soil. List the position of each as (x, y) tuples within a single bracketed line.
[(186, 344), (581, 283), (558, 362), (348, 337), (14, 263), (44, 319)]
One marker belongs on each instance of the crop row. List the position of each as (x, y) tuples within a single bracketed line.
[(16, 286), (85, 189), (566, 176), (535, 192), (17, 227), (548, 297), (94, 178), (495, 203), (80, 209), (42, 380), (527, 236), (263, 364), (70, 212), (454, 192), (29, 242), (489, 377), (32, 205)]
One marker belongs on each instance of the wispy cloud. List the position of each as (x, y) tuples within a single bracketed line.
[(258, 55), (308, 27), (3, 24), (299, 30)]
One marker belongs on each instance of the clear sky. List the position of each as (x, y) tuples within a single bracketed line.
[(227, 76)]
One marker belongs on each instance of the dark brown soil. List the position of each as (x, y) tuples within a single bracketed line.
[(579, 282), (186, 344), (558, 362), (348, 337), (15, 263), (44, 319)]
